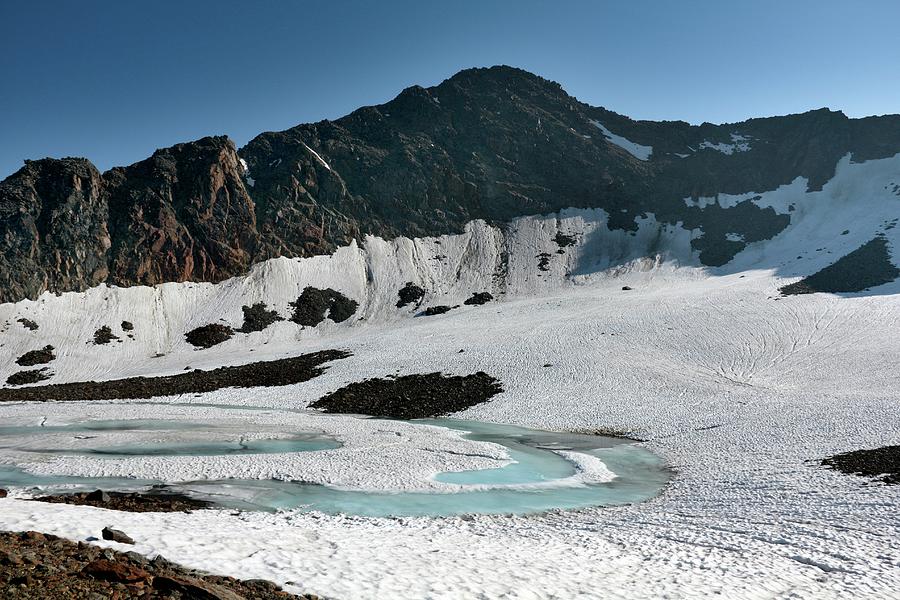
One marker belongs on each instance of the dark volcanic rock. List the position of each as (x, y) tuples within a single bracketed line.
[(115, 535), (867, 266), (207, 336), (257, 317), (285, 371), (880, 463), (411, 396), (436, 310), (314, 305), (104, 335), (26, 377), (35, 566), (127, 326), (152, 501), (182, 214), (479, 298), (36, 357), (410, 294)]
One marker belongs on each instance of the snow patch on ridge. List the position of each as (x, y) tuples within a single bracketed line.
[(636, 150), (740, 143), (854, 206), (316, 154), (250, 181)]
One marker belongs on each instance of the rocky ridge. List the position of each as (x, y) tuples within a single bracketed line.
[(487, 144)]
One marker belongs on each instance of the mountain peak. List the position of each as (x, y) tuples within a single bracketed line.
[(504, 75), (491, 143), (495, 72)]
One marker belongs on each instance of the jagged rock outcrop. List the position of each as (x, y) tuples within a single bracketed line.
[(487, 144), (500, 142), (182, 214), (53, 228)]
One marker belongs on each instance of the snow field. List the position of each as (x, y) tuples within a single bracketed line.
[(740, 391)]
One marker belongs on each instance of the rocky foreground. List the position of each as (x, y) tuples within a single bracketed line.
[(46, 567)]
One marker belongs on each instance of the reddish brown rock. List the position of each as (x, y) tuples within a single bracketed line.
[(115, 571), (35, 566), (183, 214)]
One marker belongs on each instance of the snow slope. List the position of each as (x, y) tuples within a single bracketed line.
[(738, 389)]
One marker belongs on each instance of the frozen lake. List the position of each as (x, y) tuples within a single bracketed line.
[(543, 471)]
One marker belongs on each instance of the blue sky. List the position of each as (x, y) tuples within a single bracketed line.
[(112, 81)]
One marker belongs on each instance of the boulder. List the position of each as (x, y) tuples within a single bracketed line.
[(117, 572), (115, 535)]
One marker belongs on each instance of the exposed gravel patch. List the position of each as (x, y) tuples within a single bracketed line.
[(36, 357), (868, 266), (315, 305), (28, 324), (436, 310), (411, 396), (479, 298), (207, 336), (543, 261), (152, 501), (410, 294), (562, 240), (883, 463), (104, 335), (285, 371), (258, 317), (26, 377)]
